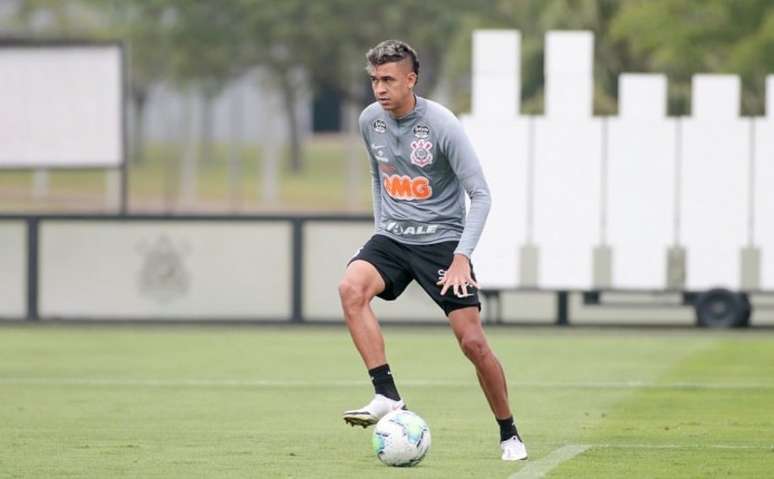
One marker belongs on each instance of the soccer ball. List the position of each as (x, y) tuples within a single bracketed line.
[(401, 438)]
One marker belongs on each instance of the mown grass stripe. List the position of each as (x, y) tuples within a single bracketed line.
[(77, 381), (685, 446)]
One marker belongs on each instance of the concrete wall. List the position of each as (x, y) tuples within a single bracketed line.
[(13, 269), (242, 270), (162, 270)]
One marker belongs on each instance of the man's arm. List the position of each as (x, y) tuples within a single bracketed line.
[(376, 192), (464, 162), (376, 185)]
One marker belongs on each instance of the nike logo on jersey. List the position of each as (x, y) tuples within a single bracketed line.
[(379, 152)]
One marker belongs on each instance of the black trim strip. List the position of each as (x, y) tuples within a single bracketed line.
[(33, 266), (297, 271)]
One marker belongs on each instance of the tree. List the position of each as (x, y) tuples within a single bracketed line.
[(533, 18), (206, 40), (328, 40), (273, 33), (143, 25), (683, 38)]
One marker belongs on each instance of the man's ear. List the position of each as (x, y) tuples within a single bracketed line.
[(412, 77)]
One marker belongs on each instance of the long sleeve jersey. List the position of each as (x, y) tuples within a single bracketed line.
[(422, 165)]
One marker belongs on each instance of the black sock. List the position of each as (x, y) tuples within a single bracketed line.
[(381, 377), (507, 429)]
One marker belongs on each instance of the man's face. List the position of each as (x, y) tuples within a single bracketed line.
[(392, 84)]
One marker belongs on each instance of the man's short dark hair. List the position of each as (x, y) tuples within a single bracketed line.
[(390, 51)]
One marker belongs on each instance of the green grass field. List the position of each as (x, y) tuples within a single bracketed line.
[(105, 402)]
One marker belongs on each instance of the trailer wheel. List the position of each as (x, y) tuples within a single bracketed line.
[(721, 308)]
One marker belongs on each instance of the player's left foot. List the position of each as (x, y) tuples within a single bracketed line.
[(513, 449), (370, 414)]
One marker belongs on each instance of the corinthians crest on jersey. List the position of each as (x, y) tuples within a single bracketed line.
[(421, 152)]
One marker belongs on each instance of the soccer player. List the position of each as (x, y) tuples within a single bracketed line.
[(422, 165)]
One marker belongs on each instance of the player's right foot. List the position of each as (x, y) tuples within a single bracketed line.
[(371, 413), (513, 449)]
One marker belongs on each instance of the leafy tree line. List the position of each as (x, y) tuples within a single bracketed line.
[(202, 45)]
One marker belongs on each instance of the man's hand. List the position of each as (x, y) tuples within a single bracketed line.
[(457, 277)]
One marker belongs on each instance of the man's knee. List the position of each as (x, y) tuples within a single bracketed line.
[(353, 295), (474, 346)]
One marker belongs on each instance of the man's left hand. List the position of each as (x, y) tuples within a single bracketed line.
[(458, 277)]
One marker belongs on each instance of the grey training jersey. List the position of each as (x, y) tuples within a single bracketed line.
[(422, 165)]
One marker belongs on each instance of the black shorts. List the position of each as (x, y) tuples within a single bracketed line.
[(400, 263)]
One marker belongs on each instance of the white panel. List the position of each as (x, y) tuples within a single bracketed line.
[(640, 202), (154, 269), (567, 200), (328, 247), (495, 51), (715, 96), (496, 59), (569, 51), (569, 74), (642, 96), (61, 106), (13, 269), (714, 199), (764, 193), (764, 196), (488, 102), (502, 149)]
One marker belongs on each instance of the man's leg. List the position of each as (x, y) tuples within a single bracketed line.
[(466, 324), (360, 284)]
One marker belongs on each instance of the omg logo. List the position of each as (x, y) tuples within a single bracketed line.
[(421, 153), (402, 187)]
